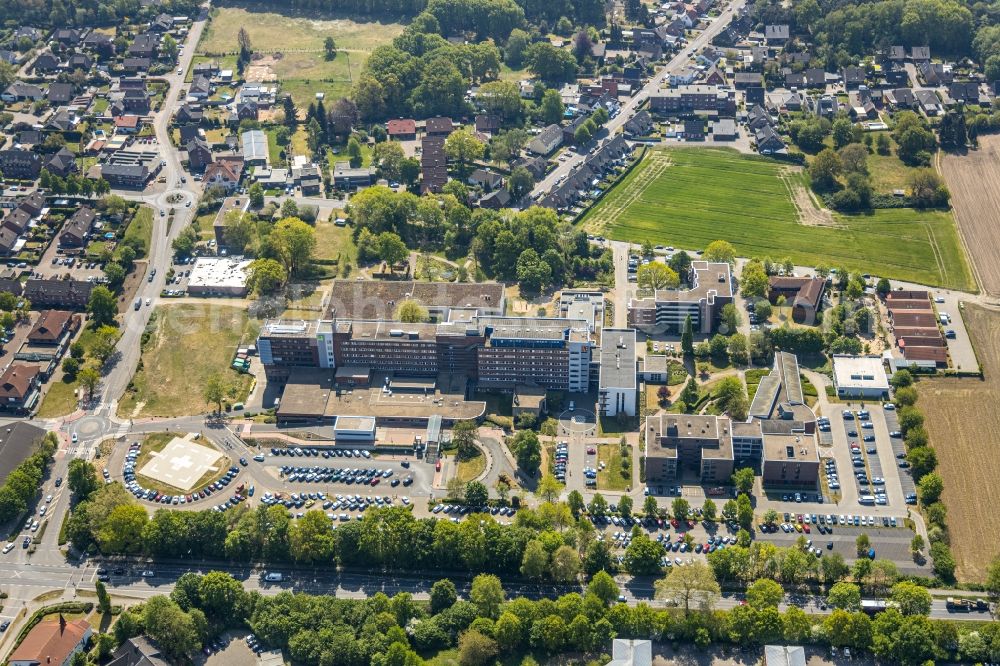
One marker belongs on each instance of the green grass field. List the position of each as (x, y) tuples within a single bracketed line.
[(690, 197)]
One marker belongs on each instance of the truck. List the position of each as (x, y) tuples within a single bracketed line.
[(958, 605)]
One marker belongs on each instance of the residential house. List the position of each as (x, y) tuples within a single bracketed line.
[(536, 166), (100, 44), (60, 93), (144, 46), (199, 154), (685, 100), (138, 651), (63, 120), (684, 77), (51, 643), (639, 125), (26, 32), (768, 141), (19, 392), (62, 163), (747, 80), (929, 102), (895, 55), (487, 123), (10, 242), (853, 77), (813, 77), (77, 228), (33, 204), (208, 69), (10, 57), (776, 35), (546, 141), (20, 91), (200, 89), (308, 179), (433, 164), (224, 172), (53, 327), (715, 77), (569, 131), (127, 124), (137, 65), (485, 179), (254, 144), (724, 129), (861, 105), (189, 133), (46, 62), (693, 130), (20, 164), (348, 178), (68, 36), (402, 129), (17, 220), (755, 95), (709, 57), (162, 23), (965, 92), (935, 73), (899, 98), (826, 106), (920, 54), (189, 114), (136, 101), (804, 294), (439, 126), (496, 200), (80, 61), (244, 111), (56, 293)]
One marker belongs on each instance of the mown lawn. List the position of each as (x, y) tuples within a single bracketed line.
[(141, 228), (167, 382), (690, 197), (61, 398)]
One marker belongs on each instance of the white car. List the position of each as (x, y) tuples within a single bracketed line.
[(9, 547)]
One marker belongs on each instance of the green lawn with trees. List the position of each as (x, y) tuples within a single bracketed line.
[(690, 197)]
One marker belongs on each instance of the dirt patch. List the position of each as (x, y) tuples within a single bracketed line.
[(810, 212), (961, 431), (974, 182), (261, 70)]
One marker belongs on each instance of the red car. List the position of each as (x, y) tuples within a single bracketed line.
[(376, 480), (805, 528)]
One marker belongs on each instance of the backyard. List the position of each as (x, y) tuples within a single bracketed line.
[(167, 383), (690, 197)]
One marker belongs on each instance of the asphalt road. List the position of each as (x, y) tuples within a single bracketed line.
[(679, 61)]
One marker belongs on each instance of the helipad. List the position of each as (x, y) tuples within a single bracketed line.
[(181, 463)]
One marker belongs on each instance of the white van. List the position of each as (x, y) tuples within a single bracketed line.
[(866, 499), (944, 317)]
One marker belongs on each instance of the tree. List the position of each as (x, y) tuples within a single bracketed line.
[(265, 276), (754, 280), (565, 565), (443, 595), (520, 183), (297, 242), (657, 275), (862, 543), (103, 344), (930, 488), (687, 337), (927, 188), (387, 158), (487, 594), (598, 505), (102, 306), (844, 596), (910, 598), (552, 65), (583, 135), (843, 132), (854, 159), (256, 195), (625, 506), (476, 494), (901, 378), (551, 107), (764, 593), (731, 397), (642, 556), (923, 461), (89, 378), (762, 309), (549, 488), (680, 508), (744, 512), (81, 477), (214, 391), (173, 629), (690, 585), (475, 649), (824, 169), (412, 312), (528, 450), (882, 144), (462, 147), (743, 479), (310, 539), (330, 47), (720, 251), (604, 587), (103, 598), (709, 512)]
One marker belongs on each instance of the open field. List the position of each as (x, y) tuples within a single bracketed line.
[(141, 229), (61, 397), (611, 477), (691, 196), (167, 383), (963, 429), (291, 47), (974, 181), (471, 468)]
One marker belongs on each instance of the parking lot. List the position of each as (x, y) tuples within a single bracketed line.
[(57, 263), (301, 466)]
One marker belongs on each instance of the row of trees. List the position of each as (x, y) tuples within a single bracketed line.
[(487, 625), (22, 484), (281, 249)]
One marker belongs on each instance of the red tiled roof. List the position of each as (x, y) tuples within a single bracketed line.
[(47, 642), (401, 126)]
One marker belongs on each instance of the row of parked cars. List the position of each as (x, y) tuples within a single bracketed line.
[(371, 476), (462, 510), (150, 495), (316, 453), (562, 459)]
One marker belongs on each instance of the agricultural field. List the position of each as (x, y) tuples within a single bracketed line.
[(689, 197), (963, 435), (291, 47), (167, 383), (974, 182)]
